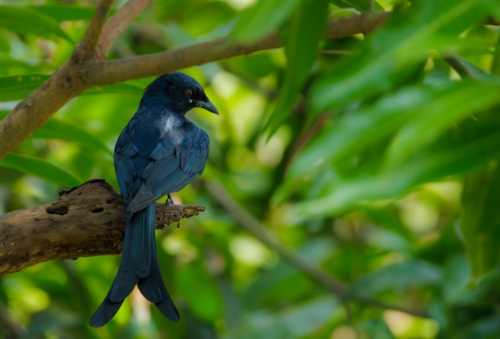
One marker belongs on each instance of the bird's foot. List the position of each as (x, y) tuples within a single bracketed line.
[(169, 200)]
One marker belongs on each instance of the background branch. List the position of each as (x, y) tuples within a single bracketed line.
[(85, 221), (253, 226), (121, 20), (72, 78), (109, 72), (91, 40)]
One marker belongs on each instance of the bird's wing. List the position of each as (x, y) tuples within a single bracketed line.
[(125, 168), (171, 167)]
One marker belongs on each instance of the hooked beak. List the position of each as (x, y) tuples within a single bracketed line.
[(209, 106)]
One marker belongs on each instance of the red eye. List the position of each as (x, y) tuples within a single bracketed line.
[(189, 93)]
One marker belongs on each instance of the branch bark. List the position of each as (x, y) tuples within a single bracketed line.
[(121, 20), (85, 221), (90, 43), (253, 226), (109, 72), (74, 77)]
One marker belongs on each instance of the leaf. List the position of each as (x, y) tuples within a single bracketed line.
[(61, 12), (360, 5), (40, 168), (122, 87), (480, 220), (200, 292), (263, 17), (27, 20), (58, 129), (453, 159), (406, 37), (298, 321), (301, 47), (399, 277), (17, 87), (434, 119), (367, 126), (424, 112)]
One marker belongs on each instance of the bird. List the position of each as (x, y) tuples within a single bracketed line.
[(159, 152)]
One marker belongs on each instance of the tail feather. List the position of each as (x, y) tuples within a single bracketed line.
[(153, 288), (138, 266), (106, 311)]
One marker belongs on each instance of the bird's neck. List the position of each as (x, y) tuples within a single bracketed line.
[(156, 103)]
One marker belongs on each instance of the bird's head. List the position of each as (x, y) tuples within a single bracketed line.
[(179, 92)]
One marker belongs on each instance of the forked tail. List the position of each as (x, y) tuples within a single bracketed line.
[(138, 266)]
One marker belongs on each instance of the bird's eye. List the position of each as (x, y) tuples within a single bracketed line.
[(189, 93)]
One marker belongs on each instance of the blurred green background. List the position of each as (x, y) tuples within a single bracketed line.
[(374, 158)]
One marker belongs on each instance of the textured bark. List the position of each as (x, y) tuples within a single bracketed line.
[(88, 220)]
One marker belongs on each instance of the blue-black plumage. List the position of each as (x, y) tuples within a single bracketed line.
[(158, 152)]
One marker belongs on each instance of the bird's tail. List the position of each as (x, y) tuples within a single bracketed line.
[(138, 266)]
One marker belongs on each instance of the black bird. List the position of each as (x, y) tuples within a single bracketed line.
[(158, 152)]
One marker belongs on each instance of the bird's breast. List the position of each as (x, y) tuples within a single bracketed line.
[(171, 128)]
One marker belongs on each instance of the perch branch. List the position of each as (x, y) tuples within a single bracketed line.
[(253, 226), (85, 221), (72, 78)]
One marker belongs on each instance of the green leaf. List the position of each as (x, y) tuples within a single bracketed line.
[(399, 277), (360, 5), (301, 47), (200, 292), (17, 87), (453, 159), (122, 87), (480, 220), (406, 37), (298, 321), (466, 99), (30, 21), (40, 168), (424, 113), (263, 17), (65, 12), (58, 129), (358, 130)]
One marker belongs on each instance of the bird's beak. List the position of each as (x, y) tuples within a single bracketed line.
[(209, 106)]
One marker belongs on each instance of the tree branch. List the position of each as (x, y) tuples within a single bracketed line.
[(121, 20), (72, 78), (85, 221), (90, 42), (253, 226), (109, 72)]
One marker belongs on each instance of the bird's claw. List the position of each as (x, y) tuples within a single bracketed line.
[(169, 200)]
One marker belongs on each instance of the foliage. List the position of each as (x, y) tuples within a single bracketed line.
[(375, 157)]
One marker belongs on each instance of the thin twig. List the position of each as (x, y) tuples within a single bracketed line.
[(336, 52), (253, 226), (93, 35), (458, 66), (121, 20)]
